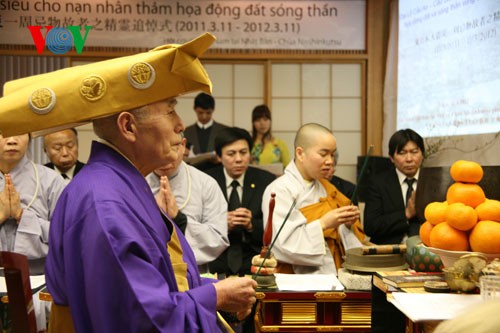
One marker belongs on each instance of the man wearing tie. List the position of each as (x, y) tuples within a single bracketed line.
[(390, 214), (243, 187), (62, 150)]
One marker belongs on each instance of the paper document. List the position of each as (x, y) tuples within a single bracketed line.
[(423, 307), (36, 282), (308, 282)]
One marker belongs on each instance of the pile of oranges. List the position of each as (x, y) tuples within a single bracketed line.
[(467, 220)]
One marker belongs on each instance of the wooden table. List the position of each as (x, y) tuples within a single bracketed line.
[(324, 311)]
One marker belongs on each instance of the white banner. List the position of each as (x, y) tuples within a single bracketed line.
[(297, 25)]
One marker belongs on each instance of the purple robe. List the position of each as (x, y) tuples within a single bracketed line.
[(108, 259)]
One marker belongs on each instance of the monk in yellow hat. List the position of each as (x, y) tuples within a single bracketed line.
[(117, 263)]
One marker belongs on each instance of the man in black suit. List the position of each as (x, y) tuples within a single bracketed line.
[(390, 215), (243, 187), (201, 135), (62, 150)]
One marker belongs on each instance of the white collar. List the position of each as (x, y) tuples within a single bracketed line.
[(205, 126), (229, 179), (402, 176), (68, 173)]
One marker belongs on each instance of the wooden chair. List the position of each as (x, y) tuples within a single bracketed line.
[(17, 279)]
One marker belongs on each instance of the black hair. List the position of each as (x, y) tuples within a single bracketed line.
[(261, 111), (399, 139), (204, 101), (228, 135)]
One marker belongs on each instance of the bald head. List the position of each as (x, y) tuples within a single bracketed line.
[(315, 148), (308, 135)]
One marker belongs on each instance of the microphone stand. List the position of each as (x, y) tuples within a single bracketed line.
[(361, 173)]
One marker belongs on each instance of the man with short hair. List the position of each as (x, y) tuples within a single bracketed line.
[(321, 222), (201, 135), (196, 204), (117, 262), (243, 187), (62, 150), (390, 213)]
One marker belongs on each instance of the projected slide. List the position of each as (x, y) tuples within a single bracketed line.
[(449, 67)]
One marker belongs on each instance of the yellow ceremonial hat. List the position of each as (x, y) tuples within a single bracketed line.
[(68, 97)]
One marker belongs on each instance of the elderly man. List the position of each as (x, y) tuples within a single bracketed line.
[(197, 205), (117, 263), (62, 150), (313, 238)]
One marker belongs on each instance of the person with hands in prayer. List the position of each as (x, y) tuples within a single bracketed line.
[(196, 204), (322, 222), (243, 186), (390, 216), (28, 196)]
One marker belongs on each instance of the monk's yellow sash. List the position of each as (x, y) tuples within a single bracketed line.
[(334, 199), (60, 320)]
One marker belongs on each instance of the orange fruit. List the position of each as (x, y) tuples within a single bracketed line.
[(485, 237), (489, 210), (425, 232), (469, 194), (444, 236), (461, 216), (466, 171), (435, 212)]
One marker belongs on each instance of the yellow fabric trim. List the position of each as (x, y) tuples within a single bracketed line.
[(60, 320), (180, 267), (334, 199), (180, 270)]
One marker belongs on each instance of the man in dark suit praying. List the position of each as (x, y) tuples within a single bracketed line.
[(390, 214), (243, 187)]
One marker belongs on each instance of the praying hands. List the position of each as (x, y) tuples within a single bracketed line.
[(10, 203)]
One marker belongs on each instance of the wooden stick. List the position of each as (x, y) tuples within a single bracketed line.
[(276, 237)]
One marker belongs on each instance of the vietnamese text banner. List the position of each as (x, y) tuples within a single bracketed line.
[(308, 25)]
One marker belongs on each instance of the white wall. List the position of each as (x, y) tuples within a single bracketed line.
[(326, 93)]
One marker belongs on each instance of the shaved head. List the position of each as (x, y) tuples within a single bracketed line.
[(308, 134), (315, 148)]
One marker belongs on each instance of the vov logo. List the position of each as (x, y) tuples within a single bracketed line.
[(59, 40)]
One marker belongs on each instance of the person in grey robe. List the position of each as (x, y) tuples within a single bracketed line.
[(196, 199)]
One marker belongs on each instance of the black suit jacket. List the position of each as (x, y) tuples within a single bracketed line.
[(384, 216), (192, 137), (346, 187), (78, 166), (256, 181)]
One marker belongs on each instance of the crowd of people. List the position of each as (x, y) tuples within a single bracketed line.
[(145, 224)]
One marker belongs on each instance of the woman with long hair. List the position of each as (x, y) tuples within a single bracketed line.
[(266, 149)]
